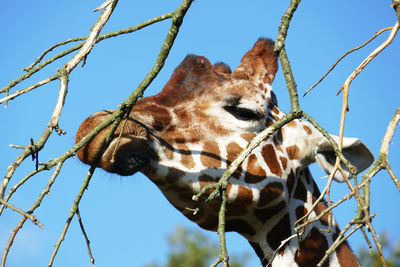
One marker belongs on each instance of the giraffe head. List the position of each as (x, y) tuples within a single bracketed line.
[(200, 104), (187, 135)]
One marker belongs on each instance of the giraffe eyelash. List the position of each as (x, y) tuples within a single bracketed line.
[(243, 114)]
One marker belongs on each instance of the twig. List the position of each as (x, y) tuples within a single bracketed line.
[(78, 214), (328, 209), (45, 52), (223, 181), (340, 239), (34, 206), (39, 144), (29, 216), (370, 57), (106, 3), (31, 70), (284, 26), (221, 229), (283, 243), (396, 6), (91, 40), (125, 107), (29, 88), (294, 113), (72, 212), (21, 182), (344, 55)]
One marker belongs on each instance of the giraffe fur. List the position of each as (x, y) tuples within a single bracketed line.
[(186, 136)]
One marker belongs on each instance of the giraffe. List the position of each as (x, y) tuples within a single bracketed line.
[(184, 137)]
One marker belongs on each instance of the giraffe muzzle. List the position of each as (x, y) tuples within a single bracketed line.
[(126, 156)]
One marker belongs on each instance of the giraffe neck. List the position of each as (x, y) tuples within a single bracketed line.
[(309, 248), (276, 242)]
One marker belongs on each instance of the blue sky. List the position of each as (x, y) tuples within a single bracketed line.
[(127, 218)]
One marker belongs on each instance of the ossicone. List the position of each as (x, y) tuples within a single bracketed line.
[(260, 64)]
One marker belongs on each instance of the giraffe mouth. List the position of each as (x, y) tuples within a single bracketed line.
[(126, 156)]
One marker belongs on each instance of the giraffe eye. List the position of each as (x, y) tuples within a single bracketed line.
[(243, 114)]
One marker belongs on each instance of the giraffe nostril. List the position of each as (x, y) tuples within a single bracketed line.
[(130, 164), (126, 157)]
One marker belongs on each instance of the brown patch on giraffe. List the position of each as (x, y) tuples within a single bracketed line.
[(168, 152), (181, 192), (278, 140), (312, 249), (293, 152), (300, 212), (210, 223), (233, 149), (290, 181), (270, 192), (284, 162), (269, 122), (186, 156), (179, 138), (300, 191), (278, 147), (292, 124), (235, 210), (321, 206), (265, 214), (276, 118), (174, 175), (182, 113), (279, 135), (344, 253), (276, 110), (206, 179), (244, 196), (269, 156), (279, 232), (307, 129), (240, 226), (161, 117), (254, 172), (210, 156), (248, 136)]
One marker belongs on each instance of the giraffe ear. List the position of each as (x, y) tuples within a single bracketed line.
[(353, 149), (259, 64)]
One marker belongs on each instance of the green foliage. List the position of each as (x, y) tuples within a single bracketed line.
[(390, 250), (193, 248)]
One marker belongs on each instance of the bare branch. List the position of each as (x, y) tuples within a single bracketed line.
[(29, 216), (34, 206), (370, 57), (39, 144), (31, 70), (72, 212), (94, 33), (85, 235), (344, 55)]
